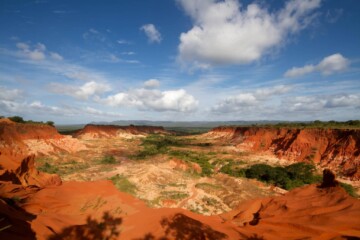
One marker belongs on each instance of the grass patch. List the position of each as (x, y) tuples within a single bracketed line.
[(233, 168), (173, 195), (157, 144), (123, 184), (349, 189), (199, 158), (207, 186), (210, 201), (48, 168), (108, 159)]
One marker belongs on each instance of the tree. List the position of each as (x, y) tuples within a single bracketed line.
[(51, 123), (17, 119)]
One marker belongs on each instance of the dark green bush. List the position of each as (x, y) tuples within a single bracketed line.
[(292, 176), (17, 119), (108, 160)]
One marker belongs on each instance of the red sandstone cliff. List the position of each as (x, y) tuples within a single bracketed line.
[(18, 141), (338, 149)]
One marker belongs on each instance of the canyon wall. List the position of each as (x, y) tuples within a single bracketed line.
[(338, 149)]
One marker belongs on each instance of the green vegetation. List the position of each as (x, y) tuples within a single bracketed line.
[(173, 195), (108, 159), (233, 168), (199, 158), (207, 187), (289, 177), (157, 144), (186, 131), (63, 168), (48, 168), (349, 189), (123, 184), (19, 119)]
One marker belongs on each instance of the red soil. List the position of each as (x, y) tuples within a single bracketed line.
[(338, 149), (95, 210), (18, 141)]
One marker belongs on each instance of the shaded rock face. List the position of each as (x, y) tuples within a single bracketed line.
[(331, 148), (27, 175), (108, 131), (328, 179)]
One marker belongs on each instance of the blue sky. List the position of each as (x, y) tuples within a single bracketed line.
[(184, 60)]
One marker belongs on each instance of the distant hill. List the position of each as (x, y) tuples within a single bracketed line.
[(194, 124)]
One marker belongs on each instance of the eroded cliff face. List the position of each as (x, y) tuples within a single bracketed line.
[(92, 131), (338, 149), (18, 140)]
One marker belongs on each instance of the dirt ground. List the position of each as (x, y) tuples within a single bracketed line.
[(163, 180)]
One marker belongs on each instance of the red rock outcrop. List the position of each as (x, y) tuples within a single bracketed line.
[(92, 131), (338, 149), (18, 140)]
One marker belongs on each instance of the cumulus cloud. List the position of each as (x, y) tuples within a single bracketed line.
[(39, 108), (322, 102), (37, 52), (224, 32), (81, 92), (329, 65), (152, 33), (245, 100), (152, 99), (152, 83)]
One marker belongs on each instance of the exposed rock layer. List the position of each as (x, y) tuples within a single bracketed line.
[(338, 149)]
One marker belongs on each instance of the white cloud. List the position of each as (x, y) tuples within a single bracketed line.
[(226, 33), (329, 65), (81, 92), (36, 53), (245, 100), (152, 99), (122, 41), (56, 56), (9, 94), (152, 83), (93, 34), (128, 53), (22, 46), (320, 103), (38, 108), (152, 33), (332, 64)]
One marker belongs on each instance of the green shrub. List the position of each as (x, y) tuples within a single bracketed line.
[(232, 168), (108, 160), (173, 195), (157, 144), (349, 189), (292, 176), (17, 119), (48, 168), (199, 158), (123, 184)]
